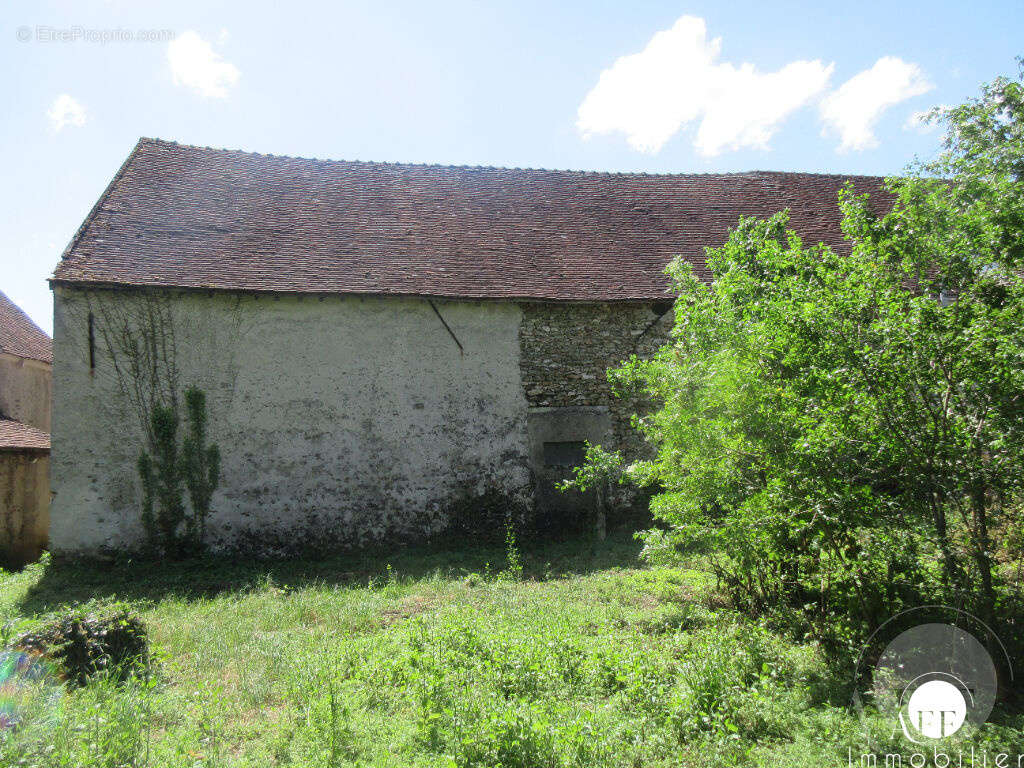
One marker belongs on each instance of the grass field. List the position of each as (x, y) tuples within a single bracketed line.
[(585, 658)]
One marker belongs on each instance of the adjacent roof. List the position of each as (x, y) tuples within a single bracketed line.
[(20, 336), (193, 217), (17, 436)]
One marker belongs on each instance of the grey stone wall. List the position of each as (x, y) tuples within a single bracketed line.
[(567, 350), (347, 417)]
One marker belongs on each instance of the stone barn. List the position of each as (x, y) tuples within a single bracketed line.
[(25, 390), (379, 343)]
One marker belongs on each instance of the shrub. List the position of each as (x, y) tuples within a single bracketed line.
[(168, 468), (844, 431), (200, 467), (88, 639), (163, 509)]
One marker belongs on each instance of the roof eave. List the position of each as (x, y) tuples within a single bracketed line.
[(116, 286)]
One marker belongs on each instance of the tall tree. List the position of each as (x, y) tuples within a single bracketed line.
[(833, 426)]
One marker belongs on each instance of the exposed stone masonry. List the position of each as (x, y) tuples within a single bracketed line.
[(567, 349)]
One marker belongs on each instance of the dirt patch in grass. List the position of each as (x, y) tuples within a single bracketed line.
[(406, 609), (647, 602)]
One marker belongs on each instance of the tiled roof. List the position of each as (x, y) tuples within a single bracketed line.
[(20, 336), (192, 217), (14, 436)]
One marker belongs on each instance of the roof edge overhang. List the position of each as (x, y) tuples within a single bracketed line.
[(98, 285)]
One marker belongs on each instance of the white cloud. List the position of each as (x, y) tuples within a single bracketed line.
[(677, 80), (917, 121), (66, 110), (855, 107), (196, 65)]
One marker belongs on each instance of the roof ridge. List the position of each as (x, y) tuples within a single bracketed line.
[(467, 167), (820, 174)]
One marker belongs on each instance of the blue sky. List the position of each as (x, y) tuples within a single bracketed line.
[(656, 86)]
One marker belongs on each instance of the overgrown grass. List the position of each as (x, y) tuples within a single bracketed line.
[(578, 656)]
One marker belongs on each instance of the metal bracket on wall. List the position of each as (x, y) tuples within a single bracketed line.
[(92, 344), (447, 327)]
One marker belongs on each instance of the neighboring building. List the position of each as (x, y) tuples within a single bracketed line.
[(26, 357), (377, 342)]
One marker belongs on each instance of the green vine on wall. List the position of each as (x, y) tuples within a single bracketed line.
[(138, 332)]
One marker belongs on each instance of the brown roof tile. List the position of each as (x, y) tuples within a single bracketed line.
[(192, 217), (20, 336), (17, 436)]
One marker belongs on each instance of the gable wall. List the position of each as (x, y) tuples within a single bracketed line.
[(25, 391), (349, 419), (345, 420)]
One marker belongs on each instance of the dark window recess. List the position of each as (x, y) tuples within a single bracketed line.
[(569, 454)]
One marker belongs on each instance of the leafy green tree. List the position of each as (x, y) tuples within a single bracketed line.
[(599, 470), (845, 433)]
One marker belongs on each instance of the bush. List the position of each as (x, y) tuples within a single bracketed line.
[(88, 639), (168, 467), (844, 431)]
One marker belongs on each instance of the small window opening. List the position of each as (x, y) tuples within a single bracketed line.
[(564, 454)]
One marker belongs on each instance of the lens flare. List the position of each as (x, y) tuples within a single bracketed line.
[(28, 684)]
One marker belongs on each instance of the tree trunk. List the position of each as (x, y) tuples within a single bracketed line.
[(600, 521), (951, 571), (982, 546)]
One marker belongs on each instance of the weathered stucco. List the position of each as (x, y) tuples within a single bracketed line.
[(347, 419), (25, 391), (24, 498)]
